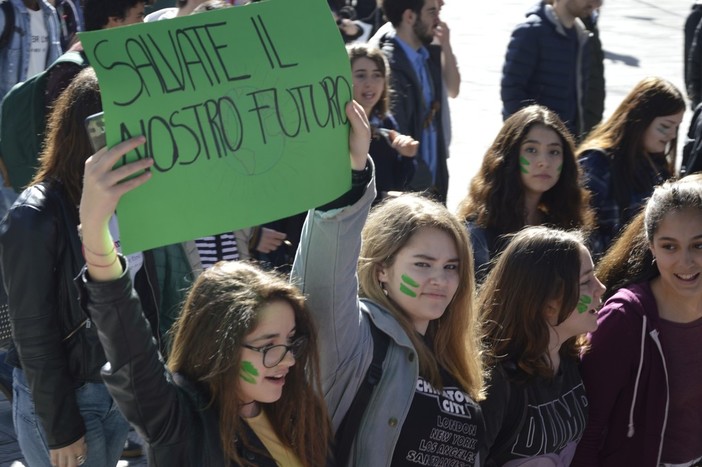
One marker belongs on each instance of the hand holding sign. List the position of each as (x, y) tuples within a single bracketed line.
[(103, 186), (359, 138)]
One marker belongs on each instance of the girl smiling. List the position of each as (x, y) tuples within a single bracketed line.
[(643, 370)]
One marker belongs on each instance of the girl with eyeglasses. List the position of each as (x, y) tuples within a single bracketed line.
[(242, 384)]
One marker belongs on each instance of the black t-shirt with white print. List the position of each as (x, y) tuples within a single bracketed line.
[(442, 427), (538, 422)]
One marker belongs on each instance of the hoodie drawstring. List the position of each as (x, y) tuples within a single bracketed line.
[(630, 432)]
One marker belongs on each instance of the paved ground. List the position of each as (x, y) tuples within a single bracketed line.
[(640, 39)]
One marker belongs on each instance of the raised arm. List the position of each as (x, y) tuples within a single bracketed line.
[(136, 376), (449, 64), (325, 270)]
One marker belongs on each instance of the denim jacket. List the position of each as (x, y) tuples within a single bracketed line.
[(14, 59)]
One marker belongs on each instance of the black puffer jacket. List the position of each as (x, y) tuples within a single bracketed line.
[(169, 412), (55, 343)]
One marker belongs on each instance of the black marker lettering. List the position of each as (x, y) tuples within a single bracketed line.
[(268, 45), (117, 64)]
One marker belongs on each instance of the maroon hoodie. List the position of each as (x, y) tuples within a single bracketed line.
[(626, 384)]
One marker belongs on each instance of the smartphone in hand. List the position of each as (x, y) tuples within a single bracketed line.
[(95, 126)]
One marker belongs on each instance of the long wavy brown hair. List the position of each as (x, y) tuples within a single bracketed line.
[(221, 309), (455, 334), (495, 198), (66, 145), (621, 136), (539, 265)]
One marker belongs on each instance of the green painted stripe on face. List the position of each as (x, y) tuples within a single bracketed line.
[(248, 372), (523, 163), (583, 303), (409, 281), (405, 290), (560, 168)]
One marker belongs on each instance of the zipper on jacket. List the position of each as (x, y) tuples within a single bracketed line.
[(87, 323)]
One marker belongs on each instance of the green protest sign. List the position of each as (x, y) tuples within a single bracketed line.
[(243, 111)]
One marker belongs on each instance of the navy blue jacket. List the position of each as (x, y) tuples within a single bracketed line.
[(546, 64)]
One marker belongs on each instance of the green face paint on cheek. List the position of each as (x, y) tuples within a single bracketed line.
[(560, 168), (583, 303), (523, 164), (248, 372), (408, 281)]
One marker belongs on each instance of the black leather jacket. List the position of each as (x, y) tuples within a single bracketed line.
[(169, 412), (55, 343)]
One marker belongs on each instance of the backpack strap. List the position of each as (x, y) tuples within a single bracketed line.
[(346, 433), (9, 13)]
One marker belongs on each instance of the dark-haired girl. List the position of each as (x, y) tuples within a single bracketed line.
[(536, 306), (529, 176)]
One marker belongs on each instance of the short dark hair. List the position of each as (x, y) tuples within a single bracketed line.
[(393, 9), (97, 13)]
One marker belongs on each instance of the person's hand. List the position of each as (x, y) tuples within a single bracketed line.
[(359, 136), (348, 27), (442, 34), (270, 240), (72, 455), (103, 186), (404, 144)]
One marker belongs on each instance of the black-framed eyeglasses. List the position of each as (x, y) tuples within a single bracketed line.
[(274, 354)]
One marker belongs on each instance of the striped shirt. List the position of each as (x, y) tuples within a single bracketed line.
[(220, 247)]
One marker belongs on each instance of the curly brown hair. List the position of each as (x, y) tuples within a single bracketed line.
[(495, 198)]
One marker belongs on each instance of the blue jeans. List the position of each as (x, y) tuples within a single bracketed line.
[(106, 428)]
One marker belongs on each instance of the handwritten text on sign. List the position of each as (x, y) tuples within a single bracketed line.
[(244, 116)]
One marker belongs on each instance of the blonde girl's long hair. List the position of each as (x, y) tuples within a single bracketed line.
[(455, 334)]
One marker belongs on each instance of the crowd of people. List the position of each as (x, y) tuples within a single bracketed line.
[(552, 320)]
